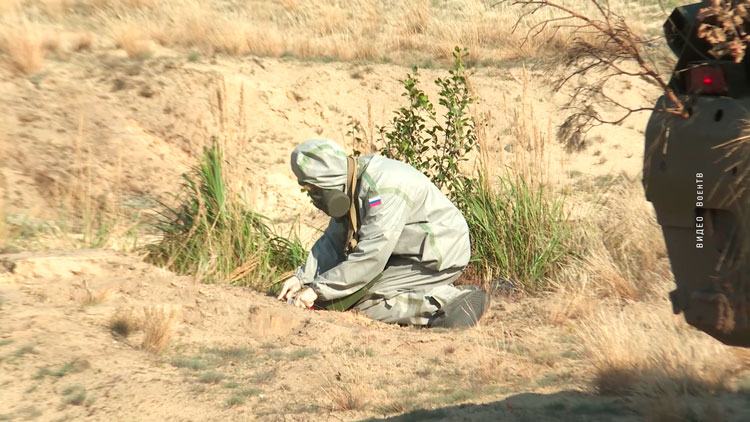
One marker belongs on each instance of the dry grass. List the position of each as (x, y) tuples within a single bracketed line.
[(4, 236), (346, 397), (159, 323), (627, 359), (91, 297), (83, 41), (359, 29), (622, 250), (23, 47), (132, 38)]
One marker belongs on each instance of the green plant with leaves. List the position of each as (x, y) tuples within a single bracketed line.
[(433, 144), (518, 228), (214, 235)]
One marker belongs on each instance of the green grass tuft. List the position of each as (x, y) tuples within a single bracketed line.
[(211, 377), (519, 231), (213, 235), (190, 363)]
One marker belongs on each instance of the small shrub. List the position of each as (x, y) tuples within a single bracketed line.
[(235, 400), (302, 353), (435, 145)]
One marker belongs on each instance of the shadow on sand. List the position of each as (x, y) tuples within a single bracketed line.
[(581, 407)]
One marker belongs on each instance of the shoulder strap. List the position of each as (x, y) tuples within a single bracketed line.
[(351, 237)]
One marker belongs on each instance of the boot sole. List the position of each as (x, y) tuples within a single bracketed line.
[(465, 311)]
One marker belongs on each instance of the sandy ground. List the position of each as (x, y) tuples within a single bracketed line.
[(284, 364)]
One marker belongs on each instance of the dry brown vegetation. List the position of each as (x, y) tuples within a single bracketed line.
[(159, 323), (421, 31)]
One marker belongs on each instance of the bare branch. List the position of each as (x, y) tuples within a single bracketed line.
[(609, 48)]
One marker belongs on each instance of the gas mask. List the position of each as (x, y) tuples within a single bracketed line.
[(333, 202)]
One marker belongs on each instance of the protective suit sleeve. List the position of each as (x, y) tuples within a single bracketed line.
[(378, 236), (326, 253)]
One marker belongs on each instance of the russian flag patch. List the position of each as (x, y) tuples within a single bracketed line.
[(375, 201)]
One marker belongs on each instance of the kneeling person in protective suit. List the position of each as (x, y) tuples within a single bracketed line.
[(393, 247)]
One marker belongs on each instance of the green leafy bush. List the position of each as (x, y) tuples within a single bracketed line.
[(435, 145), (518, 228), (215, 236)]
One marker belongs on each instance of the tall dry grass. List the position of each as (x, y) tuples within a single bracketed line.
[(411, 32), (647, 351), (23, 47), (159, 324)]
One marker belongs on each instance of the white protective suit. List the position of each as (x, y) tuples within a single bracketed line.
[(409, 232)]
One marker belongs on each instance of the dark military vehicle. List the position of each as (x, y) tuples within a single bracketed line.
[(696, 173)]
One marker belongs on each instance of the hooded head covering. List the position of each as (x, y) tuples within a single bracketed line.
[(320, 162)]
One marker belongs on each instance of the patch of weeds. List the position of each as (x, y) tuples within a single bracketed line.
[(31, 389), (72, 389), (302, 353), (397, 406), (264, 376), (211, 377), (545, 358), (6, 341), (190, 363), (499, 389), (231, 353), (570, 354), (74, 395), (24, 350), (369, 352), (199, 389), (235, 400), (276, 354), (41, 373), (424, 372), (58, 373), (30, 412), (551, 379), (231, 384), (250, 391), (454, 397), (194, 57)]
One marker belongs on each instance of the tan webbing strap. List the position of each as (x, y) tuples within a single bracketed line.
[(351, 238)]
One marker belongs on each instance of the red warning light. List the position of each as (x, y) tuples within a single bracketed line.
[(707, 80)]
